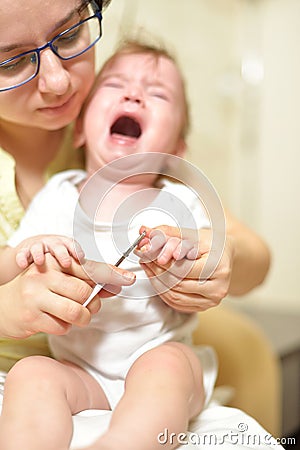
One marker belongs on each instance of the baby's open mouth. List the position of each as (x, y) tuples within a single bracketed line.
[(126, 126)]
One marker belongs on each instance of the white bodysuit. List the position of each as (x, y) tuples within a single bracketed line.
[(135, 320)]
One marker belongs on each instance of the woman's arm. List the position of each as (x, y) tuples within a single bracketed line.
[(9, 267), (251, 257)]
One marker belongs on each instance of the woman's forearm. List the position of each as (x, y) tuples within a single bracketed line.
[(251, 260), (9, 268)]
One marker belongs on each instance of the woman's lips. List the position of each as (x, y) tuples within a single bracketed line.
[(58, 109)]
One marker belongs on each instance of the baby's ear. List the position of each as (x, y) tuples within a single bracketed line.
[(78, 135)]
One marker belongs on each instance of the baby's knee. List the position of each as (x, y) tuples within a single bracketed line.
[(31, 369), (172, 357), (181, 354), (186, 366), (193, 378)]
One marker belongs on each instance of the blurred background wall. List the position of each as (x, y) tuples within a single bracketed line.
[(241, 62)]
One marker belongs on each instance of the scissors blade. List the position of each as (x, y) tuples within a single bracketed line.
[(131, 248)]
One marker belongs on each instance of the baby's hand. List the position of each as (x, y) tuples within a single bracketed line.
[(158, 246), (34, 250)]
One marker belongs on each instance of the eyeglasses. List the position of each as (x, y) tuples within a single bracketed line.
[(69, 44)]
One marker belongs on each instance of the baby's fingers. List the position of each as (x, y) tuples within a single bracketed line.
[(74, 249), (37, 252), (62, 254), (178, 249), (186, 249), (172, 245), (152, 248), (23, 258)]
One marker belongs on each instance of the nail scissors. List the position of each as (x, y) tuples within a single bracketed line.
[(99, 286)]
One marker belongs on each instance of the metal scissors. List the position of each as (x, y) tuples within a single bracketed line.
[(99, 286)]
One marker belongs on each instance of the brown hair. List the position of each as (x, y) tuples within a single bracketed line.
[(102, 3)]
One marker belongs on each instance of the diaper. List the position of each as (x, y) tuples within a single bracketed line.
[(114, 387)]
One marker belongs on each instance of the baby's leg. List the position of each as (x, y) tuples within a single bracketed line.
[(163, 390), (40, 396)]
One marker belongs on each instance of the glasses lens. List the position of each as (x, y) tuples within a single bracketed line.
[(18, 70), (78, 39)]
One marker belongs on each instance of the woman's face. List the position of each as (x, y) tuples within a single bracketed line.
[(54, 97)]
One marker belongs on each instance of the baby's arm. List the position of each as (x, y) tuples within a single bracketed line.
[(33, 250), (157, 245)]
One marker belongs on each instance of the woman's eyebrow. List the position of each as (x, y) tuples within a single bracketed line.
[(8, 48), (66, 19)]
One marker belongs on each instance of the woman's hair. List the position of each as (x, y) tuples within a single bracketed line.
[(102, 3), (137, 46)]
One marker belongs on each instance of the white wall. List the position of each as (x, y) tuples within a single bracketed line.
[(279, 159), (245, 132)]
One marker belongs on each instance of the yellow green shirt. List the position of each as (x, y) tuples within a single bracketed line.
[(11, 212)]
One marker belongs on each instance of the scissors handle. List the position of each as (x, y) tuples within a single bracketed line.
[(96, 290)]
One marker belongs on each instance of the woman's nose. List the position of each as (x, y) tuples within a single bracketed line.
[(53, 77)]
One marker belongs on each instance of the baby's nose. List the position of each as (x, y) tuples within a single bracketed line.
[(134, 94)]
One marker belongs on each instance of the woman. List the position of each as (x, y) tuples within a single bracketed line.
[(41, 94)]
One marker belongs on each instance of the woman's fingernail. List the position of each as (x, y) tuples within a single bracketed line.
[(129, 276)]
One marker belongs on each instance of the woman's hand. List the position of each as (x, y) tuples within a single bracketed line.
[(178, 280), (49, 298)]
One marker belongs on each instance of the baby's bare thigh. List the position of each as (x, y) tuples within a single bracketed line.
[(56, 379), (92, 395)]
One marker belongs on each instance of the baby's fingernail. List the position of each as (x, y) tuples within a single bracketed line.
[(162, 260), (145, 248), (192, 254), (177, 256)]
